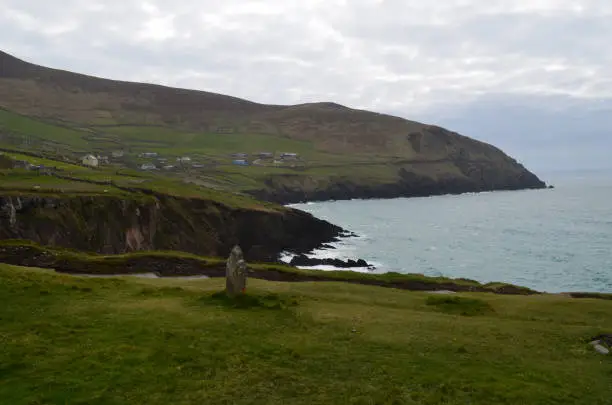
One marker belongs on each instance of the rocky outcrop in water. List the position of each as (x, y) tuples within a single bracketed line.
[(305, 261)]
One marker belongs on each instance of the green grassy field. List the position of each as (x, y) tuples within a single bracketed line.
[(75, 179), (317, 164), (36, 160), (30, 182), (24, 183), (36, 130), (180, 142), (71, 340)]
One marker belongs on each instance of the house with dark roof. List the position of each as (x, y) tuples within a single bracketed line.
[(240, 162)]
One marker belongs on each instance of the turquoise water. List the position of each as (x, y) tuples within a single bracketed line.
[(550, 240)]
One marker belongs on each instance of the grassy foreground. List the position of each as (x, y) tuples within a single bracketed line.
[(72, 340)]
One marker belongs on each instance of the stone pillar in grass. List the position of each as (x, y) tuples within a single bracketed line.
[(235, 273)]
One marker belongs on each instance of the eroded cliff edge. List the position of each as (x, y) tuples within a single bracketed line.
[(114, 224)]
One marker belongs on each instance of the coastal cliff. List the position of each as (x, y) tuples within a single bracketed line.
[(112, 224), (448, 163)]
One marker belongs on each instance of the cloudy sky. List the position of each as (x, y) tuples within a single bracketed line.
[(531, 76)]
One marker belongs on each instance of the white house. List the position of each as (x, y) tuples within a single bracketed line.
[(91, 161), (184, 159), (289, 156), (148, 166)]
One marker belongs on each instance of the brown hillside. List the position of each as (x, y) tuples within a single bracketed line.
[(39, 91), (412, 158), (56, 94)]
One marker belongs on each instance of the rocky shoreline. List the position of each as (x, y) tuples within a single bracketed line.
[(175, 264), (153, 221), (31, 255), (294, 189), (109, 225), (305, 261)]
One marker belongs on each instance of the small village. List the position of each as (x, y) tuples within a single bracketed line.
[(148, 161)]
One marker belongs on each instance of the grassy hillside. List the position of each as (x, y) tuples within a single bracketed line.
[(342, 152), (140, 341), (67, 177), (212, 151)]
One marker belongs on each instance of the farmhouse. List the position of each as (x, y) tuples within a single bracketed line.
[(90, 160), (21, 164), (184, 159), (148, 166), (240, 162), (289, 156)]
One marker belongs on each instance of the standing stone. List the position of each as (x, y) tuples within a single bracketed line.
[(235, 273), (602, 343), (599, 348)]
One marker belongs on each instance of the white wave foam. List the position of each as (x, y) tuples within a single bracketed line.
[(286, 257), (332, 268)]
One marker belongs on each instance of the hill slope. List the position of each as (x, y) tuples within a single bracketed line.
[(343, 152), (141, 341)]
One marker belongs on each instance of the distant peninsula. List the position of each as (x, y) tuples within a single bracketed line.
[(278, 153)]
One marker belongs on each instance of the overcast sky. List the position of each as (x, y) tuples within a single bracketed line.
[(531, 76)]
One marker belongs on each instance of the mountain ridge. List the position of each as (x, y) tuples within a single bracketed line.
[(344, 152)]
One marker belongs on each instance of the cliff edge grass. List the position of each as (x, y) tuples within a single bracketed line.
[(116, 210), (176, 264), (61, 178), (173, 264), (134, 341)]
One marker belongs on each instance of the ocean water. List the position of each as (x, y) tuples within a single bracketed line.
[(556, 240)]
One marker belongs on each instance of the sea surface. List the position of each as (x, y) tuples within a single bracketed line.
[(555, 240)]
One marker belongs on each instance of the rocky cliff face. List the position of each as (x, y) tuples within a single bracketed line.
[(297, 189), (448, 163), (108, 224)]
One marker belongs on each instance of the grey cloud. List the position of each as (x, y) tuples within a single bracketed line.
[(546, 132)]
